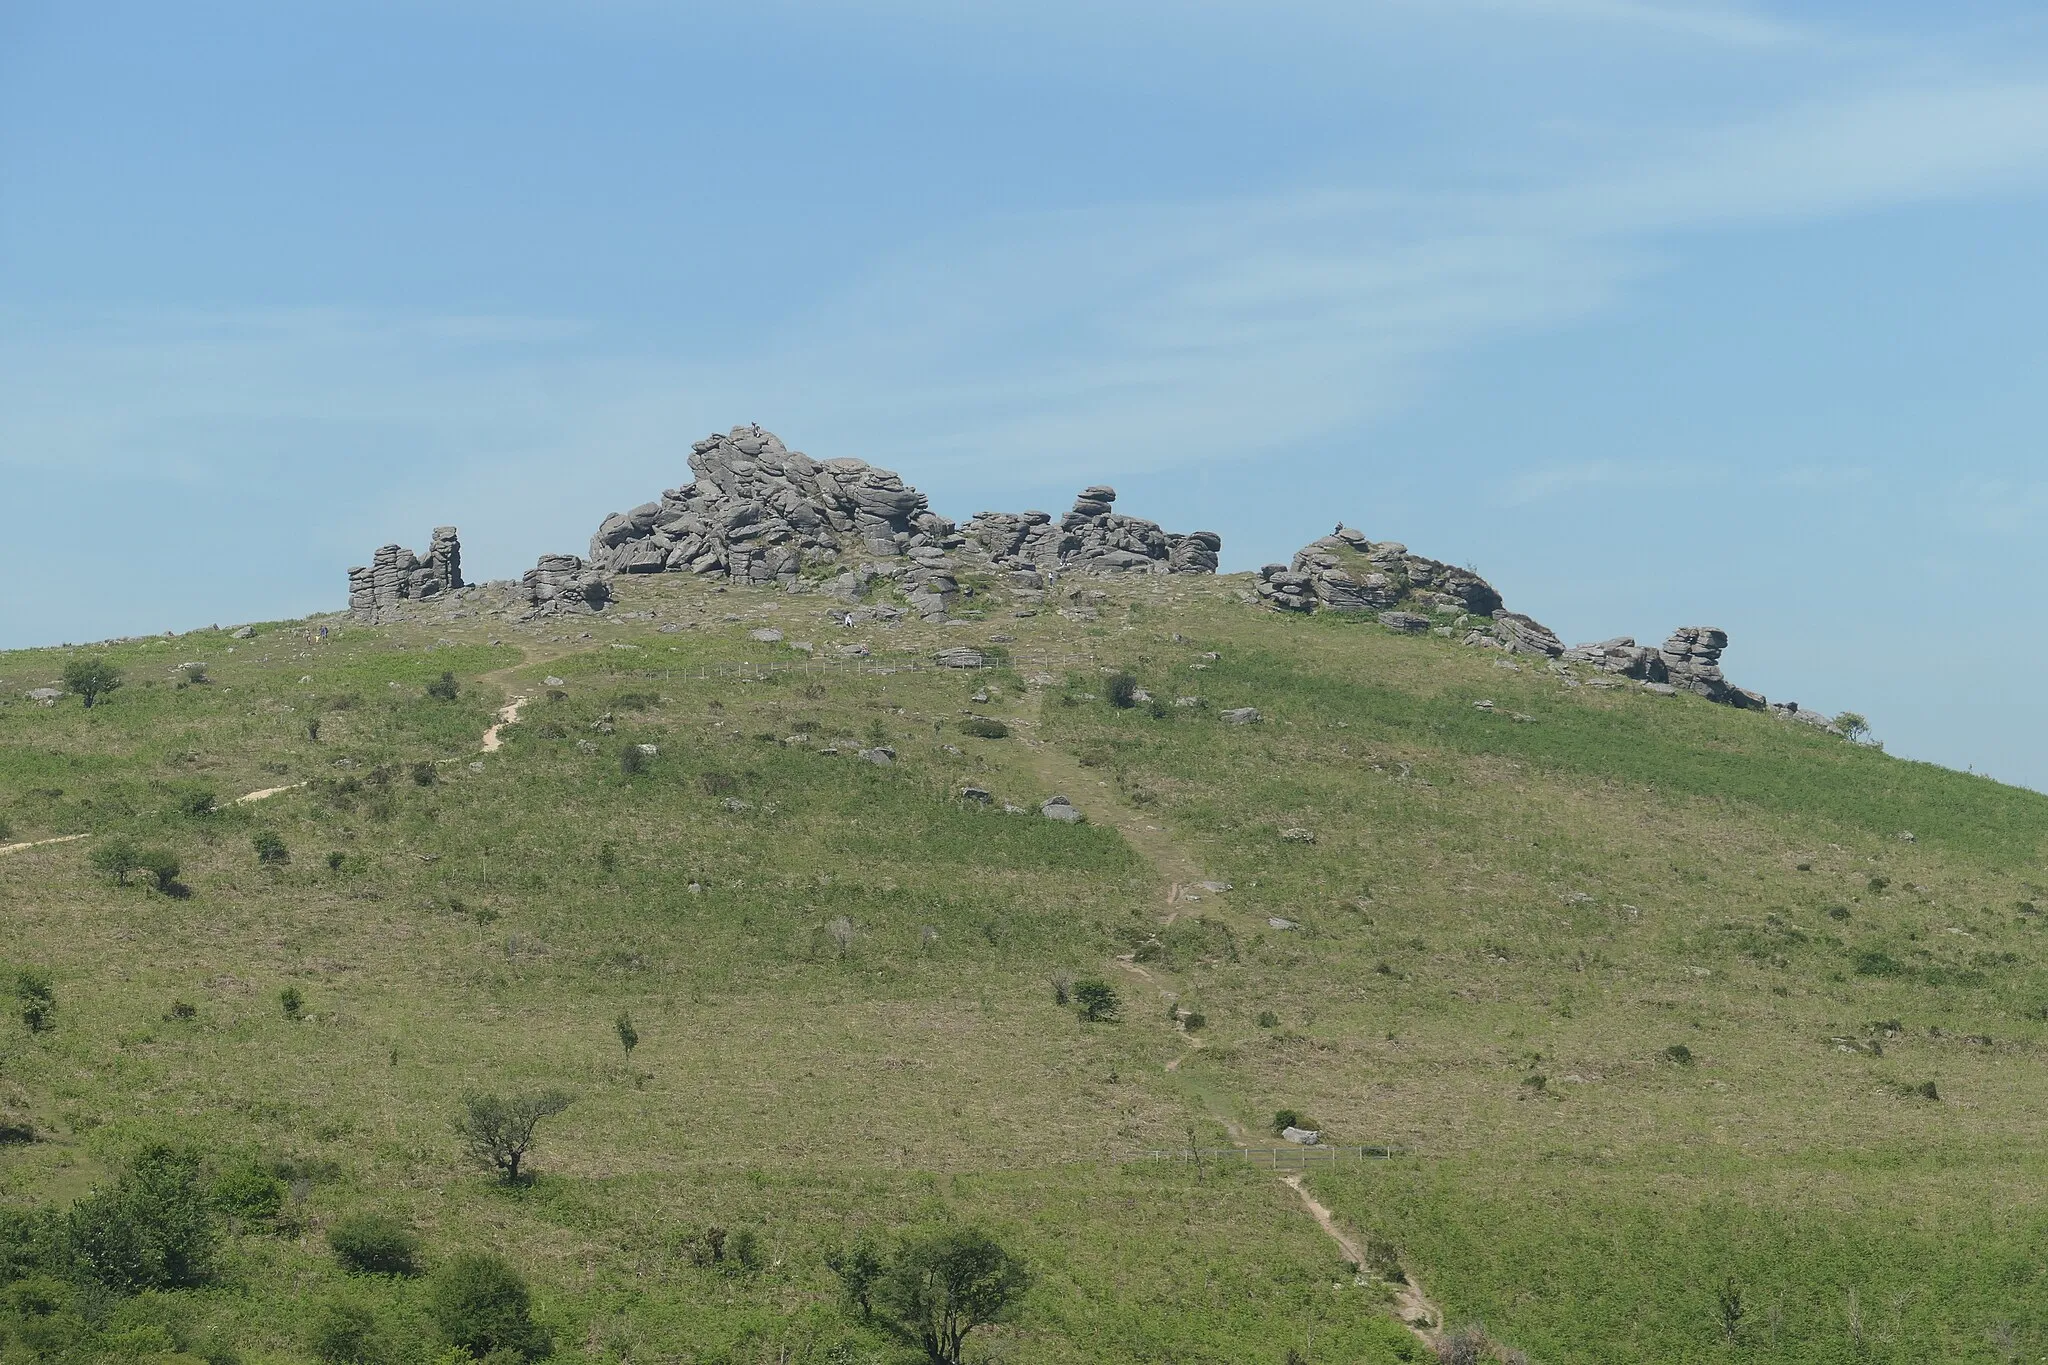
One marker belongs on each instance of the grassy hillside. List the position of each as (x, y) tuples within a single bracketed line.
[(1647, 993)]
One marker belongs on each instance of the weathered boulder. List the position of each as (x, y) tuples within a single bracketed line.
[(1091, 538), (565, 585), (1346, 571), (1059, 808), (395, 574)]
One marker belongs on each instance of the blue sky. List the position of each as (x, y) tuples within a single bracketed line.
[(1658, 314)]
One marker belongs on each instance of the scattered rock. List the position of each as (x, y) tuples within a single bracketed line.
[(1089, 539), (1275, 922), (45, 696), (959, 658), (245, 633), (551, 681), (1242, 715), (881, 755), (1306, 1137), (1298, 836), (1214, 886), (1407, 622), (651, 750), (767, 635), (1059, 808), (977, 794)]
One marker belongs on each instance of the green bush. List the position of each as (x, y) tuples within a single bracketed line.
[(115, 857), (443, 688), (1123, 691), (1098, 1001), (981, 727), (1679, 1053), (90, 679), (938, 1286), (345, 1331), (497, 1131), (632, 760), (374, 1244), (195, 801), (162, 866), (249, 1192), (270, 849), (37, 992), (153, 1228), (292, 1001), (482, 1304), (1268, 1019), (1283, 1119)]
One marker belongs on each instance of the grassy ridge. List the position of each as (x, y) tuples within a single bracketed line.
[(840, 973)]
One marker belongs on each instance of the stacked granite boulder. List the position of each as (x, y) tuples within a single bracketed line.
[(1347, 572), (759, 512), (1092, 538), (564, 585), (1690, 661), (398, 575)]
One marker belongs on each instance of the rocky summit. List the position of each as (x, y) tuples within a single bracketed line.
[(395, 574)]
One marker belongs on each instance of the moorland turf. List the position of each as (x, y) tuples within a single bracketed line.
[(1644, 990)]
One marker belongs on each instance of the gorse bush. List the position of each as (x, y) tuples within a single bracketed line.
[(1123, 691), (153, 1228), (443, 688), (632, 760), (345, 1331), (270, 849), (480, 1303), (374, 1244)]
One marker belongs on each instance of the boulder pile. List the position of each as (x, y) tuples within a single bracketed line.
[(1092, 538), (398, 575), (758, 512), (1690, 661), (1347, 572), (565, 585)]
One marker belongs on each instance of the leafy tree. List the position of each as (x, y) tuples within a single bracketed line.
[(482, 1304), (162, 866), (1854, 725), (374, 1244), (37, 993), (859, 1268), (941, 1284), (497, 1131), (1098, 1001), (153, 1228), (90, 679), (115, 857), (270, 849)]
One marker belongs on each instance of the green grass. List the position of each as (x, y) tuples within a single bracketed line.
[(841, 975)]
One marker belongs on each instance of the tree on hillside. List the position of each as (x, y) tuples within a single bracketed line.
[(1097, 1001), (90, 679), (497, 1130), (939, 1285)]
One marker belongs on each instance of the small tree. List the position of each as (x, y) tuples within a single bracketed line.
[(38, 996), (90, 679), (859, 1268), (1853, 725), (1728, 1307), (1123, 691), (1098, 1001), (163, 868), (443, 688), (497, 1131), (115, 857), (940, 1285), (629, 1037), (345, 1331), (270, 849), (481, 1304)]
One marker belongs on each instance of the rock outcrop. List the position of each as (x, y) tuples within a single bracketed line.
[(1347, 572), (398, 575), (1092, 539), (1690, 661), (759, 512), (564, 585)]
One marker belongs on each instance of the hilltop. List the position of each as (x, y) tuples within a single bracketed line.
[(1657, 1026)]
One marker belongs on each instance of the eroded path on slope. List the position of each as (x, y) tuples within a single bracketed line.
[(1184, 880)]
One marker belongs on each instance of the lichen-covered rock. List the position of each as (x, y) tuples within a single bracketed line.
[(564, 584)]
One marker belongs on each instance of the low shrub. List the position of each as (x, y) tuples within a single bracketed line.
[(443, 688), (153, 1228), (1123, 691), (270, 849), (196, 801), (480, 1303), (1679, 1053), (374, 1244), (115, 857), (292, 1001), (1268, 1019), (981, 727), (37, 994), (1098, 1001), (345, 1331), (249, 1192), (632, 760), (162, 866)]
